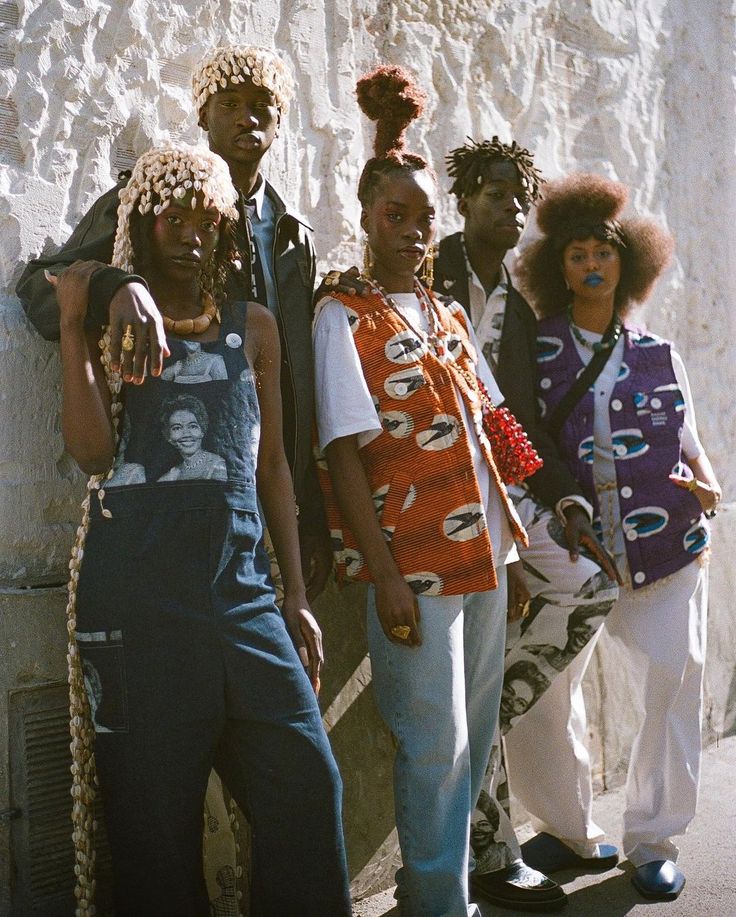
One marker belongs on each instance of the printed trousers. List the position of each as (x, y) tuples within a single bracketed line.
[(663, 628), (569, 603)]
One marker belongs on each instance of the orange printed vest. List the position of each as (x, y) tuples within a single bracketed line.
[(420, 468)]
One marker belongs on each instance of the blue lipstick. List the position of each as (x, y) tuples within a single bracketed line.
[(593, 280)]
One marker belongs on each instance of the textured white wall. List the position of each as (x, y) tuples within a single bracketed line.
[(642, 91)]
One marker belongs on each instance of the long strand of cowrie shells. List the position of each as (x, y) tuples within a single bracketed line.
[(235, 828), (84, 776), (165, 172)]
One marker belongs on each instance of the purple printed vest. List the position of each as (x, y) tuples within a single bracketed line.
[(664, 528)]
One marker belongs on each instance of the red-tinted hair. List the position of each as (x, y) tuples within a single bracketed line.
[(578, 207), (390, 97)]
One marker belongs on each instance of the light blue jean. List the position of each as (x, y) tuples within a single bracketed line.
[(441, 702)]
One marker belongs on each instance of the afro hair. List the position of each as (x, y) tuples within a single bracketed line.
[(577, 207)]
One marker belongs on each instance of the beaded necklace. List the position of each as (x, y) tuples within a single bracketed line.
[(434, 336), (184, 326), (610, 335)]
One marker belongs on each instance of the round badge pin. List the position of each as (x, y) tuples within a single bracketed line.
[(233, 340)]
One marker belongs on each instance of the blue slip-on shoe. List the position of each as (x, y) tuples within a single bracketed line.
[(660, 880), (549, 854)]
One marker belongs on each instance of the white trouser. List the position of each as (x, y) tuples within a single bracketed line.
[(569, 603), (663, 628)]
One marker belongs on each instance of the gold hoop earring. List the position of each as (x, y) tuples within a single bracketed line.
[(428, 268), (367, 260)]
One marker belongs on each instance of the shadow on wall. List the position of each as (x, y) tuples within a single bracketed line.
[(362, 744)]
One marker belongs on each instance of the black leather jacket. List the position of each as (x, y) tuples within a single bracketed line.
[(517, 370), (294, 266)]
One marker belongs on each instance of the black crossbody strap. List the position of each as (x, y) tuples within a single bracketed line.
[(585, 380)]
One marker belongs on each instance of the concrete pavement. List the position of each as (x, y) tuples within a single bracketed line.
[(706, 858)]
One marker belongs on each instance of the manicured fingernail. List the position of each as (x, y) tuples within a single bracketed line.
[(47, 274), (138, 380), (156, 371), (127, 377)]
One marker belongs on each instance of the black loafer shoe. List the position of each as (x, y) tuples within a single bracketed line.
[(549, 854), (660, 880), (518, 887)]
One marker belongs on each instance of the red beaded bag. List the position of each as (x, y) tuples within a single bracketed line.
[(514, 455)]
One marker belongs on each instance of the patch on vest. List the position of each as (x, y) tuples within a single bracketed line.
[(398, 423), (353, 319), (548, 348), (379, 498), (402, 385), (353, 561), (404, 347), (465, 522), (410, 497), (585, 450), (696, 538), (424, 583), (453, 346), (628, 444), (645, 341), (443, 433), (643, 522)]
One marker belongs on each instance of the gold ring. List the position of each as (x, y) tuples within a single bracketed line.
[(128, 342), (524, 607), (400, 631), (332, 279), (692, 485)]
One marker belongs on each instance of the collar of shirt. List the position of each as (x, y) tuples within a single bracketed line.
[(254, 203), (481, 305)]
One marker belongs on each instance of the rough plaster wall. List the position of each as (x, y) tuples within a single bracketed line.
[(642, 90)]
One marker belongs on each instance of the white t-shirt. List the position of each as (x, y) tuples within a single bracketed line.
[(345, 407)]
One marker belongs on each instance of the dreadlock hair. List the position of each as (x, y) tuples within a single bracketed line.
[(470, 166), (578, 207), (159, 176), (390, 97)]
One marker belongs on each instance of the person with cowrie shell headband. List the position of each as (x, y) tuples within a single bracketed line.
[(240, 96), (180, 659)]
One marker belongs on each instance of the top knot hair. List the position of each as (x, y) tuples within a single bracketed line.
[(391, 97), (578, 207)]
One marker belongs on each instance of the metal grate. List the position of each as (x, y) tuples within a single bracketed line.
[(40, 781)]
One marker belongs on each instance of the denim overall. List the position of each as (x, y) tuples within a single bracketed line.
[(187, 660)]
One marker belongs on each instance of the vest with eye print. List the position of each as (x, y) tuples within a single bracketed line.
[(664, 528), (419, 468)]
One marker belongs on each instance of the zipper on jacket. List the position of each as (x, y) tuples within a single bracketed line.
[(279, 218)]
